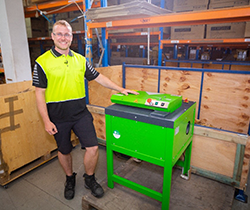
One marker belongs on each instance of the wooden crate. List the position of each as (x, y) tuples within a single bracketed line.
[(217, 154), (23, 138)]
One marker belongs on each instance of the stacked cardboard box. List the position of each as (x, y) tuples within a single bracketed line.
[(189, 5), (193, 31), (226, 30), (75, 19), (36, 27), (218, 4), (188, 32), (247, 30)]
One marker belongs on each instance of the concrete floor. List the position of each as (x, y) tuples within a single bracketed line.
[(42, 188)]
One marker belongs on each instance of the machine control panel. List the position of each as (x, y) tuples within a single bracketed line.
[(148, 100), (156, 103)]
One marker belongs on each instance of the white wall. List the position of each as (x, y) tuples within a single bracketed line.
[(14, 42)]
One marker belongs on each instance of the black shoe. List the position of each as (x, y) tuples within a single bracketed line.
[(69, 191), (90, 183)]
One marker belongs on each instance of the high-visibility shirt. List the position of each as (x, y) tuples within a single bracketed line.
[(63, 77)]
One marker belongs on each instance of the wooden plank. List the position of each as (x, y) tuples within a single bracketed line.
[(215, 66), (174, 64), (240, 67), (221, 135), (27, 168), (142, 79), (246, 167), (195, 65), (225, 101), (184, 83), (213, 155), (101, 96), (14, 88)]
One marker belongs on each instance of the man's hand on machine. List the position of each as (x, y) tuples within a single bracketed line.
[(126, 92)]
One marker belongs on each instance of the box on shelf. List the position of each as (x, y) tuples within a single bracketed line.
[(36, 27), (205, 56), (115, 54), (186, 5), (247, 30), (241, 55), (192, 54), (225, 30), (217, 4), (188, 32)]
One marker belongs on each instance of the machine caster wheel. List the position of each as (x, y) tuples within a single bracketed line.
[(186, 177), (5, 186)]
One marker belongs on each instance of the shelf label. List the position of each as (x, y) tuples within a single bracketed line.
[(247, 40), (175, 41), (144, 33), (109, 24)]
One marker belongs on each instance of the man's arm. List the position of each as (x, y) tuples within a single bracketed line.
[(42, 108), (104, 81)]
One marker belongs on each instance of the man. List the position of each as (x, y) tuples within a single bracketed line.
[(60, 94)]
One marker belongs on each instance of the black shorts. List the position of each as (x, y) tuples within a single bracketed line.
[(84, 130)]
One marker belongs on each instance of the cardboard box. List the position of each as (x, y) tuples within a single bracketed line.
[(241, 55), (186, 5), (215, 4), (247, 30), (188, 32), (36, 27), (225, 30), (192, 54), (115, 54)]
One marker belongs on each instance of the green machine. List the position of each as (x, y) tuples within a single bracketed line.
[(154, 127)]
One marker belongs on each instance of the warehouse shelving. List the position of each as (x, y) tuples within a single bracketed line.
[(237, 14), (77, 35)]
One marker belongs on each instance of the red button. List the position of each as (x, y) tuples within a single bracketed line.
[(149, 100)]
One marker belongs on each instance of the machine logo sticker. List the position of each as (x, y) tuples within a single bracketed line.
[(116, 134)]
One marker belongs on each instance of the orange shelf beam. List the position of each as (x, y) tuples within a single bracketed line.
[(207, 42), (237, 14), (49, 5), (129, 43), (133, 34), (1, 70), (30, 11)]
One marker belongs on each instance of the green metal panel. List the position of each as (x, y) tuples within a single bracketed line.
[(155, 101), (139, 137), (183, 132)]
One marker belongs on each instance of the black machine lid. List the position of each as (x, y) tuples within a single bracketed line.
[(160, 118)]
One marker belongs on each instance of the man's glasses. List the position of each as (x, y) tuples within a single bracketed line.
[(60, 35)]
